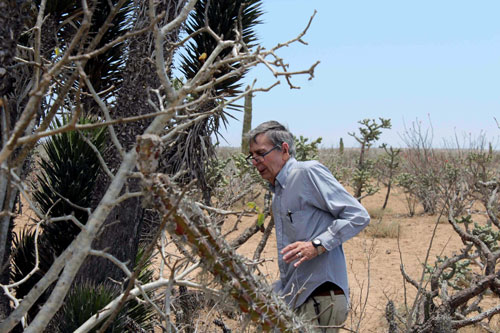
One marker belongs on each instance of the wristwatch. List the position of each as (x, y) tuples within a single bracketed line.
[(318, 246)]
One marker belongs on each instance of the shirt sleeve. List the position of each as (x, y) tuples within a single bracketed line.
[(349, 217)]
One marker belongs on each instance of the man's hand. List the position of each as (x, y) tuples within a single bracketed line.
[(300, 251)]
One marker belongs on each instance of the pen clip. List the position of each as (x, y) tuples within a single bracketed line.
[(290, 215)]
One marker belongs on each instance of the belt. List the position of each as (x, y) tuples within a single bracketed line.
[(325, 288)]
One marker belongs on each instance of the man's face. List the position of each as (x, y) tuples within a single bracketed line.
[(270, 165)]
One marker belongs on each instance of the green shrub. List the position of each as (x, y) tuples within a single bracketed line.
[(86, 299), (66, 180), (305, 151)]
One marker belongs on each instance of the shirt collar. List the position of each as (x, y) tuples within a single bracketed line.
[(283, 174)]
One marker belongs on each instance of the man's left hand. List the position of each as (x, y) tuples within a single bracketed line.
[(300, 251)]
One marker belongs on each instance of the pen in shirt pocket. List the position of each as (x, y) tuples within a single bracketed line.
[(290, 215)]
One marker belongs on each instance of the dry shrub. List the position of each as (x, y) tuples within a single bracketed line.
[(378, 213), (382, 228)]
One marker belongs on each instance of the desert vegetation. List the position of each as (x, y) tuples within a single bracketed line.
[(120, 213)]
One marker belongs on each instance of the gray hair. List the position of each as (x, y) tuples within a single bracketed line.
[(275, 132)]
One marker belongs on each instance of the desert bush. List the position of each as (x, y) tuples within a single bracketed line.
[(436, 176), (305, 151), (340, 163), (369, 132), (238, 181), (383, 228), (388, 171), (408, 183), (377, 213), (454, 288), (215, 172), (419, 161)]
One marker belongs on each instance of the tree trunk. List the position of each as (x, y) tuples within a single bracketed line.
[(387, 195), (11, 24), (122, 230), (359, 185)]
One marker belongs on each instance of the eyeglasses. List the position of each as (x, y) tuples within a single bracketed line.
[(260, 157)]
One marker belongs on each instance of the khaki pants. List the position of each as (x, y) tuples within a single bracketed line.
[(332, 309)]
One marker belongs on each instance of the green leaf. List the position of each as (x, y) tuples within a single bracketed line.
[(260, 219)]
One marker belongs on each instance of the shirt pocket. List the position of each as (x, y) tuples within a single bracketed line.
[(299, 226)]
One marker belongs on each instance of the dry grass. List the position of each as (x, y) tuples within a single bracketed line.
[(382, 229), (378, 213)]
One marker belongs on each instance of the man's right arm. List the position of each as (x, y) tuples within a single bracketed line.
[(349, 217)]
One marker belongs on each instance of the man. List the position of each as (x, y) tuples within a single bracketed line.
[(313, 215)]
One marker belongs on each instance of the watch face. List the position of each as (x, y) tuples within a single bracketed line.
[(316, 242)]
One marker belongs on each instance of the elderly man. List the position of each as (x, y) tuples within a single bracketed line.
[(314, 215)]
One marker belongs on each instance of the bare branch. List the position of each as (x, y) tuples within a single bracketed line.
[(103, 164), (104, 109), (113, 305)]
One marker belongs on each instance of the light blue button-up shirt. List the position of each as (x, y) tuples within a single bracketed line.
[(310, 203)]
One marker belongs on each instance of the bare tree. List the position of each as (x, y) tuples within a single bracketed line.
[(59, 84)]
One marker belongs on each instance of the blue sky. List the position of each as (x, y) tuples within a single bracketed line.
[(407, 61)]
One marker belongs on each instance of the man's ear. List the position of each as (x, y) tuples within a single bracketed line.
[(285, 148)]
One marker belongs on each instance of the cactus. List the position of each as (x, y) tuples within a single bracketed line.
[(247, 122), (306, 151), (370, 132), (391, 162)]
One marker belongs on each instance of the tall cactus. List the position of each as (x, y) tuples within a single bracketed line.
[(187, 223), (247, 122)]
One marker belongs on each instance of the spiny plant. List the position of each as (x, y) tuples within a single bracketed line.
[(472, 273), (408, 182), (369, 132), (457, 274), (228, 19), (86, 299), (215, 176), (391, 163), (247, 123), (67, 179), (104, 70), (65, 182), (224, 17), (306, 151)]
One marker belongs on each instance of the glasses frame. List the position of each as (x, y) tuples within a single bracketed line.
[(260, 157)]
